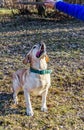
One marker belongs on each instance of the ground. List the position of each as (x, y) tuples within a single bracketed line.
[(65, 46)]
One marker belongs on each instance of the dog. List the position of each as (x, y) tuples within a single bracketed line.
[(36, 79)]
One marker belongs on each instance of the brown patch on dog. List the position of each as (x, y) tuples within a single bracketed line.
[(47, 58)]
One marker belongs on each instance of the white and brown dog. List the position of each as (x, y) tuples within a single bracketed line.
[(35, 79)]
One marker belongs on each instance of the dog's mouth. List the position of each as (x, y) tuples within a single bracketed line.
[(41, 51)]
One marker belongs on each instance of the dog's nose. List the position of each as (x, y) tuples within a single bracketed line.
[(42, 45)]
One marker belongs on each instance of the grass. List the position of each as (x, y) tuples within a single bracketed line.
[(65, 47), (9, 12)]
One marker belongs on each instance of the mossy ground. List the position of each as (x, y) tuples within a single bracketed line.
[(65, 47)]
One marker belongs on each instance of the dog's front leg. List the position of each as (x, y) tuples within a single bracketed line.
[(28, 103), (44, 95)]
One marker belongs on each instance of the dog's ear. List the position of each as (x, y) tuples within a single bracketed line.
[(27, 59), (47, 58)]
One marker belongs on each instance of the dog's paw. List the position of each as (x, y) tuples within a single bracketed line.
[(30, 113), (44, 109)]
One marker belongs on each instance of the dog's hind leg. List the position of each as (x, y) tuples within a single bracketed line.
[(15, 98), (16, 88)]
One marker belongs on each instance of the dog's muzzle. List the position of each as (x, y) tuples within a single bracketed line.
[(41, 51)]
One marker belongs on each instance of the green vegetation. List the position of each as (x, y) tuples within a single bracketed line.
[(65, 47)]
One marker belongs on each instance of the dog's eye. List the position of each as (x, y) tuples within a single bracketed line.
[(34, 47)]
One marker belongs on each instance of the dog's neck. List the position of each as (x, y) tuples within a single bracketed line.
[(39, 65)]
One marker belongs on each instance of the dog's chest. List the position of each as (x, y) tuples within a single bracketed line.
[(39, 83)]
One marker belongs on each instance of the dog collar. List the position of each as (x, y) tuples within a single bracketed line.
[(42, 72)]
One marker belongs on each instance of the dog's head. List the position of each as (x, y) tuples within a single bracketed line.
[(37, 53)]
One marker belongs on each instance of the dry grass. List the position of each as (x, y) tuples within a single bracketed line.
[(8, 11), (65, 45)]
